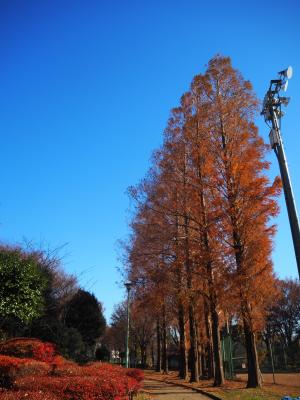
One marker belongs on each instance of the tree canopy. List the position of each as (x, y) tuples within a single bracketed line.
[(22, 285), (85, 314)]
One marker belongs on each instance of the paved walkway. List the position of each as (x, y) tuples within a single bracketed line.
[(165, 391)]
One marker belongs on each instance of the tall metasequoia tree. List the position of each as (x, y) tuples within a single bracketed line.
[(245, 194), (184, 164), (205, 218), (175, 170), (163, 202), (172, 166), (149, 262)]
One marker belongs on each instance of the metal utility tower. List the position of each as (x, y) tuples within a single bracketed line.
[(272, 113)]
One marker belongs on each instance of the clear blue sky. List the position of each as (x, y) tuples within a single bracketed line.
[(85, 92)]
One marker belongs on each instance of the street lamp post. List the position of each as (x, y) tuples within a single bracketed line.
[(128, 287), (272, 113)]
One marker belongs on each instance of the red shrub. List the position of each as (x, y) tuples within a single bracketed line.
[(63, 367), (12, 367), (28, 348), (9, 367), (77, 388), (10, 362), (47, 376), (44, 352), (96, 381), (33, 368)]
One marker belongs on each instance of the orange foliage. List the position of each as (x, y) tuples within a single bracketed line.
[(202, 234)]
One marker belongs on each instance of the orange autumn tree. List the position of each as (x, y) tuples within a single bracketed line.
[(149, 258), (244, 195), (201, 234), (175, 196), (173, 162), (186, 165), (209, 263)]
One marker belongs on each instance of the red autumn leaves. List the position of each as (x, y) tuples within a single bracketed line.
[(49, 376)]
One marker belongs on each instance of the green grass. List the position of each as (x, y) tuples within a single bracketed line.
[(142, 396), (252, 394), (247, 394)]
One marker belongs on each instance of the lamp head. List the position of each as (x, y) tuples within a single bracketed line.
[(284, 100), (128, 285)]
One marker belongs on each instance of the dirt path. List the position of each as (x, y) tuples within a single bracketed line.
[(165, 391), (289, 379)]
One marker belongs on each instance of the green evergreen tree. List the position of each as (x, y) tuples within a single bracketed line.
[(21, 285)]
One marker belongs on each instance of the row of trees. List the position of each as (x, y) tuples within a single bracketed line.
[(282, 329), (200, 249), (38, 299), (278, 342)]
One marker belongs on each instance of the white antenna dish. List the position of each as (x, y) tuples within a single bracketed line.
[(289, 72)]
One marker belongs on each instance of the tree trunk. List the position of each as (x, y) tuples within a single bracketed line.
[(183, 362), (199, 360), (217, 355), (199, 350), (152, 354), (158, 346), (135, 352), (194, 345), (215, 329), (254, 375), (191, 311), (204, 363), (143, 349), (213, 303), (219, 372), (209, 351), (164, 344)]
